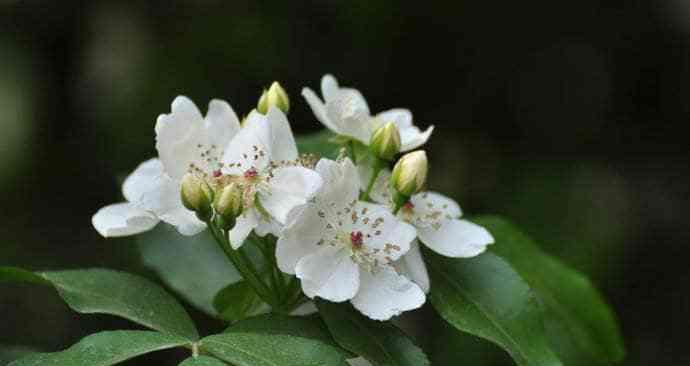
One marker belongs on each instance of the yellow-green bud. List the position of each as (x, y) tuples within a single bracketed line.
[(275, 96), (409, 174), (385, 142), (229, 201), (197, 196)]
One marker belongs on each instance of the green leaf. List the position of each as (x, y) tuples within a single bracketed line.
[(379, 342), (576, 311), (106, 348), (236, 302), (202, 361), (311, 327), (484, 296), (319, 144), (105, 291), (275, 340), (11, 353), (14, 274), (463, 346), (194, 267)]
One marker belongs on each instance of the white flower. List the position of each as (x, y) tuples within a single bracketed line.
[(186, 141), (437, 219), (345, 112), (263, 159), (342, 249)]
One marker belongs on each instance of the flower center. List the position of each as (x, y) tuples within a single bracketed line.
[(408, 206), (356, 238), (250, 173)]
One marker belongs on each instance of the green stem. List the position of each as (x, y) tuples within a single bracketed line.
[(351, 150), (399, 200), (377, 168), (243, 265), (267, 249)]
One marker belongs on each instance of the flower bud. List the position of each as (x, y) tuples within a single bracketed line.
[(197, 196), (274, 97), (228, 202), (409, 174), (385, 142)]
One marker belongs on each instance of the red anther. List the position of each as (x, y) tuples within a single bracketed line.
[(217, 173), (250, 173), (356, 239), (408, 206)]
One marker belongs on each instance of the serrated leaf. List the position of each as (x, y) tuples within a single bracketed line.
[(379, 342), (236, 302), (192, 266), (202, 361), (275, 340), (105, 348), (106, 291), (578, 318), (319, 144), (484, 296)]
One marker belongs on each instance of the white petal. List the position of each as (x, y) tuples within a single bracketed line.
[(329, 87), (185, 221), (163, 199), (244, 225), (329, 273), (221, 121), (401, 117), (340, 183), (456, 238), (412, 266), (184, 138), (433, 208), (250, 148), (319, 108), (299, 237), (412, 138), (268, 226), (386, 294), (140, 181), (122, 219), (283, 142), (383, 233), (350, 116), (289, 187)]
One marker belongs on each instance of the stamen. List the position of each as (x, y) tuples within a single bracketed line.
[(251, 173), (217, 173), (356, 239)]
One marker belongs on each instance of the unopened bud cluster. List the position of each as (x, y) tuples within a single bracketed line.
[(275, 96), (198, 196)]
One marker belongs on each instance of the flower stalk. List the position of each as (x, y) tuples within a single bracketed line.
[(243, 265), (377, 167)]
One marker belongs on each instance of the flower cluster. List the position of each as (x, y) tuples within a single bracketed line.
[(349, 229)]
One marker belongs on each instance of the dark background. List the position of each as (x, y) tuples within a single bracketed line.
[(567, 117)]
